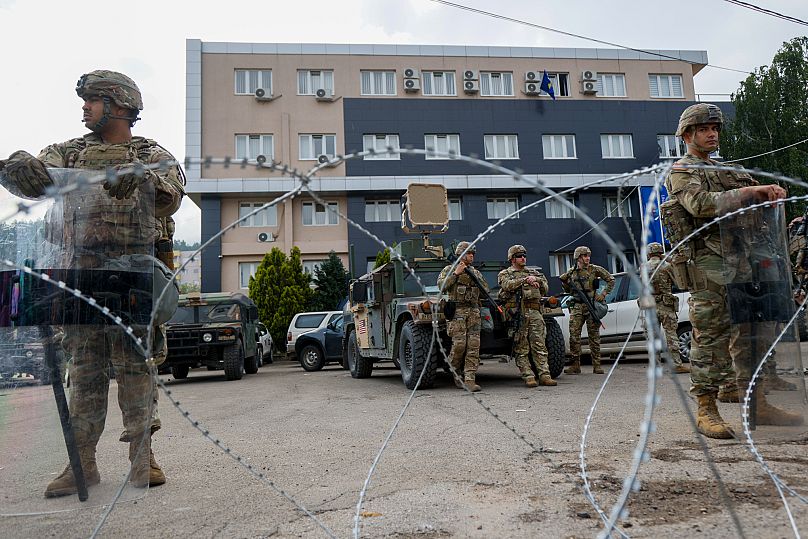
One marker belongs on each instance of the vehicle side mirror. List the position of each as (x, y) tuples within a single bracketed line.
[(359, 292)]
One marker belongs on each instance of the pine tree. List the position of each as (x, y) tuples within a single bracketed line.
[(383, 257), (331, 279)]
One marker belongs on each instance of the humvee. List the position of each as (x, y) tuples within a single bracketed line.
[(389, 316)]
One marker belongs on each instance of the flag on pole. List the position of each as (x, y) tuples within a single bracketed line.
[(547, 86)]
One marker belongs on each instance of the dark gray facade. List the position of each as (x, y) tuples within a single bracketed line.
[(211, 256)]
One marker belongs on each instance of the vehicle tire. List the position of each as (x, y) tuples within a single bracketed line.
[(396, 363), (311, 358), (251, 364), (271, 357), (233, 357), (180, 372), (360, 367), (556, 354), (259, 356), (685, 336), (413, 350)]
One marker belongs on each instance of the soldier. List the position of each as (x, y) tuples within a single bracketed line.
[(667, 303), (522, 289), (584, 274), (112, 102), (704, 195), (464, 328)]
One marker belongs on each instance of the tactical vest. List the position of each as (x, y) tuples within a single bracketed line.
[(465, 291)]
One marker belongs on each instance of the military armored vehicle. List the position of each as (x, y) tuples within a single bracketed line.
[(390, 317)]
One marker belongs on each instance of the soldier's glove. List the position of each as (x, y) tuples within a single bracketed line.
[(600, 297), (128, 178), (26, 175)]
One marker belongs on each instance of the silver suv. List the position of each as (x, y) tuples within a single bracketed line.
[(305, 322)]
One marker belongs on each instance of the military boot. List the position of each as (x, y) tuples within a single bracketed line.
[(681, 369), (575, 367), (471, 384), (145, 470), (775, 383), (596, 367), (772, 415), (530, 381), (65, 483), (547, 380), (729, 395), (709, 421), (458, 381)]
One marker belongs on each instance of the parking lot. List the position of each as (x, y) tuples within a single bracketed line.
[(451, 469)]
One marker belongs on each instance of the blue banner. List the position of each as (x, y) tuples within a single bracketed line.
[(655, 230)]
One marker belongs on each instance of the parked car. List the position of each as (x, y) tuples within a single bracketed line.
[(306, 322), (264, 338), (622, 318), (317, 348)]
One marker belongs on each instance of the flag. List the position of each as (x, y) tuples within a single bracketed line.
[(547, 86)]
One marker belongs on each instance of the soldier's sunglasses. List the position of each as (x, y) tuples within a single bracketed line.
[(520, 255)]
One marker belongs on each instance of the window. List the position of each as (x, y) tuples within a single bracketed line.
[(611, 208), (380, 143), (665, 85), (308, 321), (501, 147), (245, 271), (556, 209), (313, 146), (455, 209), (309, 266), (251, 146), (496, 84), (309, 81), (616, 147), (438, 83), (378, 211), (249, 80), (670, 146), (317, 215), (561, 84), (500, 207), (611, 85), (378, 82), (616, 265), (560, 263), (265, 217), (445, 144), (558, 146)]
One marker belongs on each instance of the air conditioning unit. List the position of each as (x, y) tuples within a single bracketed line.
[(412, 85), (262, 95), (471, 86), (589, 87), (411, 73), (471, 74), (265, 237), (532, 88), (325, 160), (588, 74), (532, 75), (322, 95)]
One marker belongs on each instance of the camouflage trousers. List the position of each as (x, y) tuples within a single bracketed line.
[(464, 329), (92, 350), (714, 343), (744, 359), (530, 339), (578, 316), (669, 320)]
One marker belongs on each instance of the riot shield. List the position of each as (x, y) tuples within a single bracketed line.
[(764, 343), (76, 298)]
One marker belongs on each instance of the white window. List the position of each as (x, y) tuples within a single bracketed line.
[(557, 209), (616, 265), (378, 82), (313, 146), (671, 146), (318, 215), (455, 209), (611, 85), (665, 85), (438, 83), (309, 81), (560, 263), (501, 147), (496, 84), (444, 144), (561, 84), (265, 217), (500, 207), (380, 143), (616, 147), (611, 207), (309, 266), (377, 211), (249, 80), (245, 271), (558, 146), (251, 146)]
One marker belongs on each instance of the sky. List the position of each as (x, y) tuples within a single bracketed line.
[(45, 45)]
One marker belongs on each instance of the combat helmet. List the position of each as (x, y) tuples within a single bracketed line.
[(111, 86), (655, 248), (582, 250), (462, 246), (700, 113), (516, 249)]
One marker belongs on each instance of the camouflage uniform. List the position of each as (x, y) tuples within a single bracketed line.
[(667, 304), (579, 314)]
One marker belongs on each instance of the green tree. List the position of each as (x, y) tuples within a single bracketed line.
[(770, 113), (182, 245), (186, 288), (331, 280), (280, 289), (383, 257)]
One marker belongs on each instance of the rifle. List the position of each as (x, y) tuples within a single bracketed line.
[(801, 262), (485, 293), (516, 320), (582, 297)]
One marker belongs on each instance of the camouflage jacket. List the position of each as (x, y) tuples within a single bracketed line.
[(661, 283), (461, 288), (585, 279), (512, 279)]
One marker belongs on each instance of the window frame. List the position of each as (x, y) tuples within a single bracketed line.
[(506, 78), (254, 266), (458, 203), (492, 201), (612, 260), (495, 146), (551, 139), (311, 138), (611, 146), (249, 223), (433, 143), (309, 266), (381, 156), (615, 76), (372, 84), (262, 142), (328, 214), (611, 203), (446, 76), (553, 204), (670, 78), (554, 266), (388, 204), (313, 90), (681, 147), (561, 84), (261, 75)]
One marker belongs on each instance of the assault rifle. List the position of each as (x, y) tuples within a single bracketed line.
[(801, 263), (485, 293), (597, 310)]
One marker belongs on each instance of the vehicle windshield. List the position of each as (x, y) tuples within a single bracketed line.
[(223, 312), (183, 315)]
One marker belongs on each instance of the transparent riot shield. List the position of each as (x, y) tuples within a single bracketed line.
[(76, 297), (763, 334)]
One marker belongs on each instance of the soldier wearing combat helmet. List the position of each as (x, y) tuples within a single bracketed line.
[(464, 328), (522, 289), (585, 275), (112, 102), (697, 196)]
